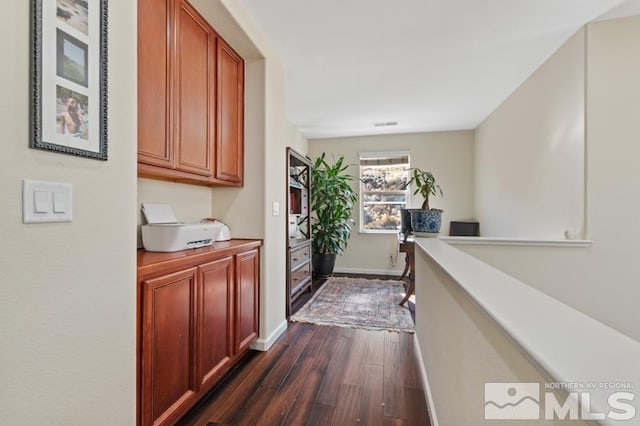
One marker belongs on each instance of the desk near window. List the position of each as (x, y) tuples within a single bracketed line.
[(406, 244)]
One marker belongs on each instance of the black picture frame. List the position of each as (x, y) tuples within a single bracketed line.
[(69, 77)]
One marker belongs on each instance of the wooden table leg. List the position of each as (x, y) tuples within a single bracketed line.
[(412, 280), (407, 263), (410, 290)]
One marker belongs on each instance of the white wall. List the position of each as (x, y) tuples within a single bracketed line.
[(601, 281), (462, 349), (529, 179), (245, 211), (449, 155), (67, 310)]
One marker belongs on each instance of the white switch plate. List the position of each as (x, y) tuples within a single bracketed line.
[(54, 201), (276, 208)]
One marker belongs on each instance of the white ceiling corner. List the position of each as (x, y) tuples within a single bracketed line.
[(430, 65)]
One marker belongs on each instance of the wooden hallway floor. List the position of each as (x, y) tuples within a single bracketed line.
[(315, 375)]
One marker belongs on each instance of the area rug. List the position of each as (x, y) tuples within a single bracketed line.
[(358, 303)]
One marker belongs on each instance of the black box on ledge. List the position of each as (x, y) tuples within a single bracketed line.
[(464, 229)]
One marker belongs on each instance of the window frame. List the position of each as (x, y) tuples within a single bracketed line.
[(362, 192)]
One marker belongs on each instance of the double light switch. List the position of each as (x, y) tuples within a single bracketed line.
[(46, 201)]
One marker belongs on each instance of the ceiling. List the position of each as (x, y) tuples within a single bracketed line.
[(428, 65)]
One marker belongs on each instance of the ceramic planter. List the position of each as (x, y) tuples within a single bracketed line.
[(426, 223)]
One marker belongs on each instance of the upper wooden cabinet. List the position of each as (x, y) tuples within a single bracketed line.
[(153, 83), (229, 146), (190, 98), (194, 91)]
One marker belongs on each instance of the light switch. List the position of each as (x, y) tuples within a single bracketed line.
[(276, 208), (41, 202), (46, 201), (59, 202)]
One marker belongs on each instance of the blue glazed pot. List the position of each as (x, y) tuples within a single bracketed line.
[(426, 221)]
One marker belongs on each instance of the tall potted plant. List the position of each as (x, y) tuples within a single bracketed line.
[(425, 221), (332, 202)]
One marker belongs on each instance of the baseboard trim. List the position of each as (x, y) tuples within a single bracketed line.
[(392, 272), (425, 382), (263, 345)]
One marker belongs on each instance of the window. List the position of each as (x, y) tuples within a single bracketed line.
[(382, 179)]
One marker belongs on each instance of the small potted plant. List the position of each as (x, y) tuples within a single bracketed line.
[(332, 202), (425, 221)]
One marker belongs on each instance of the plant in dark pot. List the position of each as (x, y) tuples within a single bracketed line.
[(332, 202), (425, 221)]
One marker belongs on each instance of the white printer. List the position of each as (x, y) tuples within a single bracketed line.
[(164, 233)]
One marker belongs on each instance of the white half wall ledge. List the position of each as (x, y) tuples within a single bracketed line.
[(264, 345), (566, 345), (506, 241)]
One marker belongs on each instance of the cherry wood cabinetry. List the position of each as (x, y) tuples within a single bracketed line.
[(197, 315), (215, 318), (194, 91), (229, 146), (168, 334), (153, 83), (247, 302), (190, 98)]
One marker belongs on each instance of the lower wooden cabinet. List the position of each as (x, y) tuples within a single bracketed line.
[(197, 315), (168, 342), (215, 319), (246, 327)]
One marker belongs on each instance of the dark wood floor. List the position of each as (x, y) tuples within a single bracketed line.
[(315, 375)]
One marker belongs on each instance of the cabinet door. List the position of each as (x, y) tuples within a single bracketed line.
[(168, 337), (215, 309), (247, 299), (154, 145), (194, 84), (230, 140)]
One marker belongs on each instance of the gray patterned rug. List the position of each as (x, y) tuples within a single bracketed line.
[(358, 303)]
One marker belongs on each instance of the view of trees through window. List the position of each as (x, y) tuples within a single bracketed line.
[(381, 192)]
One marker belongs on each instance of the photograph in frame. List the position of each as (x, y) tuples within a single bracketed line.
[(74, 13), (72, 60), (71, 113), (69, 77)]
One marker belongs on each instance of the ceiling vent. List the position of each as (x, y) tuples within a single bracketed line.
[(385, 123)]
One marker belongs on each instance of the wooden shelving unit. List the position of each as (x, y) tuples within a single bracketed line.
[(298, 226)]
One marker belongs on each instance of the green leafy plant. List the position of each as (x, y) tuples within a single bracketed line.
[(425, 185), (332, 202)]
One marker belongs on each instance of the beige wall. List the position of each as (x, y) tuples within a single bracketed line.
[(449, 155), (462, 349), (601, 281), (68, 301), (272, 134), (529, 178)]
